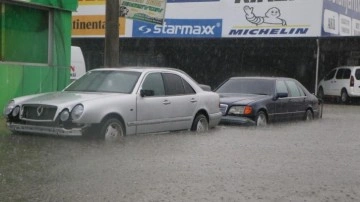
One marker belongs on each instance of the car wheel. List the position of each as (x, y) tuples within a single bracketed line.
[(321, 93), (309, 116), (261, 119), (112, 130), (200, 123), (344, 98)]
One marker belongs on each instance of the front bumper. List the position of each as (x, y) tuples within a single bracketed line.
[(45, 130), (237, 120)]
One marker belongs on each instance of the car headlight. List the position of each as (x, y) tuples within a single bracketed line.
[(77, 111), (236, 110), (15, 111), (9, 107), (239, 110), (65, 115)]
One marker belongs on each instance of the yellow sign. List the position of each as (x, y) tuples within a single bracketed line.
[(91, 2), (92, 25)]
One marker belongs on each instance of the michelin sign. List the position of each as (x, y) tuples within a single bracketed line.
[(273, 18)]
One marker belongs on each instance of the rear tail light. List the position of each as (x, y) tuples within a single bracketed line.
[(352, 81)]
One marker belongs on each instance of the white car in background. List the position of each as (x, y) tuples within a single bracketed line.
[(77, 63), (113, 102), (341, 82)]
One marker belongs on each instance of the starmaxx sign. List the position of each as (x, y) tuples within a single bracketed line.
[(209, 28)]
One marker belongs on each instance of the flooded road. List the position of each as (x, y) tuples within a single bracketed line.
[(317, 161)]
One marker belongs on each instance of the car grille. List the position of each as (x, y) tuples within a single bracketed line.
[(223, 108), (39, 112)]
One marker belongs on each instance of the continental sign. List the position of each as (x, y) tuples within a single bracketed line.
[(91, 2), (92, 26)]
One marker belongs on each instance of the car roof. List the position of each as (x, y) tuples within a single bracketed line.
[(136, 68), (262, 77)]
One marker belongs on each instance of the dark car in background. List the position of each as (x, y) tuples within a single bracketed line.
[(260, 100)]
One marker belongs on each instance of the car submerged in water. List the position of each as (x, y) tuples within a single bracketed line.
[(260, 100), (113, 102)]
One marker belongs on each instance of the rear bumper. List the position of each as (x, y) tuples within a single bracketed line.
[(214, 119), (45, 130), (351, 93)]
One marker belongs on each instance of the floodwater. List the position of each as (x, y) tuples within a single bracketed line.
[(299, 161)]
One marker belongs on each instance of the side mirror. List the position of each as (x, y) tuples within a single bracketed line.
[(280, 95), (205, 87), (146, 93)]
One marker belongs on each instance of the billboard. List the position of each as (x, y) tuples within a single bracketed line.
[(227, 19), (341, 18), (89, 20), (272, 18), (145, 10)]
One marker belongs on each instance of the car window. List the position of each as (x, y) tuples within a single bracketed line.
[(346, 74), (106, 81), (339, 74), (357, 74), (248, 86), (154, 82), (281, 87), (330, 75), (294, 90), (188, 88), (301, 90), (173, 84)]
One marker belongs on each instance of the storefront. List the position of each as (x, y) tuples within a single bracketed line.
[(215, 39), (35, 40)]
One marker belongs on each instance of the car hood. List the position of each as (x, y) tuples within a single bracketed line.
[(66, 98), (240, 99)]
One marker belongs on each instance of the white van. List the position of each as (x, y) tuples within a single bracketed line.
[(342, 82), (77, 63)]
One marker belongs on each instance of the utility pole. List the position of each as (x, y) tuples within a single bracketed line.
[(111, 52)]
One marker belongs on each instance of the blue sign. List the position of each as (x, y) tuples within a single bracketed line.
[(183, 1), (341, 18), (179, 28)]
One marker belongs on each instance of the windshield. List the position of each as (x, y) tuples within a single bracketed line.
[(106, 81), (247, 86)]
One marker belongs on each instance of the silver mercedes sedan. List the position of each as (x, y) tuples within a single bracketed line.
[(113, 102)]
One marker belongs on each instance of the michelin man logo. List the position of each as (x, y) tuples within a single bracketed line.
[(272, 16), (123, 11)]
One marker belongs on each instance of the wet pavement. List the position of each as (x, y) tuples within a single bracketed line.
[(298, 161)]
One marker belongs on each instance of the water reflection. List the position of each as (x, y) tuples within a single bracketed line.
[(230, 163)]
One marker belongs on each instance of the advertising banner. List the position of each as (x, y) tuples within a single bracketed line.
[(183, 1), (215, 18), (341, 18), (272, 18), (92, 26), (179, 28), (91, 2), (89, 21), (152, 11)]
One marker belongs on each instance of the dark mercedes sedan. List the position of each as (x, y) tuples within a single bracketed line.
[(260, 100)]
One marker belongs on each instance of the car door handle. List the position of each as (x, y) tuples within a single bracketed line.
[(166, 102), (193, 100)]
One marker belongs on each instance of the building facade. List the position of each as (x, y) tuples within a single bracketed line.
[(35, 38)]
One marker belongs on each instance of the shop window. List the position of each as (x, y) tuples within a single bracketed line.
[(24, 34)]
